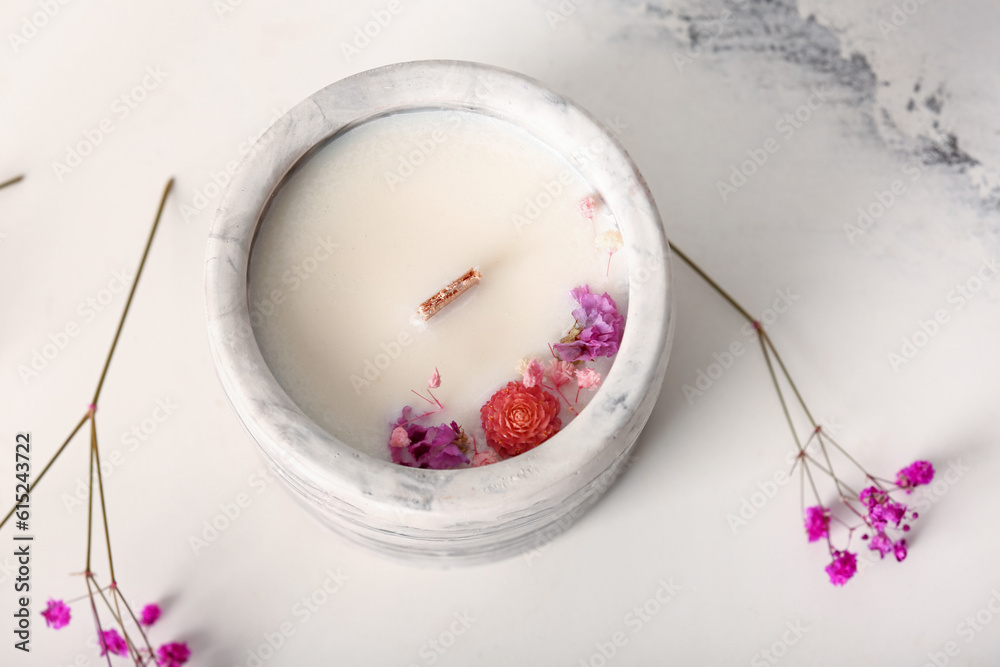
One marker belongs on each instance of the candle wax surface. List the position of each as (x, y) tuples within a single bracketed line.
[(384, 216)]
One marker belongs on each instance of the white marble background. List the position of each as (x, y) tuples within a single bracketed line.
[(692, 86)]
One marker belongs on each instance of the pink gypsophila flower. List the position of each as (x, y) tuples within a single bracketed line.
[(112, 642), (56, 614), (899, 550), (435, 380), (916, 474), (882, 510), (588, 378), (485, 458), (533, 373), (843, 567), (173, 655), (881, 543), (817, 522), (150, 614), (399, 438), (560, 372)]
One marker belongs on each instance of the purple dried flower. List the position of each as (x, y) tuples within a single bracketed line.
[(817, 522), (914, 475), (56, 614), (435, 447), (843, 567), (112, 642), (599, 326), (150, 614), (172, 655)]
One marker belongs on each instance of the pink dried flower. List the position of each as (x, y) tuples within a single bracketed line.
[(435, 380), (56, 614), (172, 655), (399, 438), (533, 373), (843, 567), (882, 510), (899, 550), (560, 372), (881, 543), (485, 458), (518, 418), (150, 614), (588, 378), (588, 206), (112, 642), (914, 475), (817, 522), (598, 329)]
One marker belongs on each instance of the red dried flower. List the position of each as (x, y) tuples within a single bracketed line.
[(518, 418)]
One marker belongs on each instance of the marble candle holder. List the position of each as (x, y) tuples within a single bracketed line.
[(467, 515)]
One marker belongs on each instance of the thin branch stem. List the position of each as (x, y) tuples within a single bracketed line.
[(784, 371), (781, 397), (116, 613), (135, 283), (788, 418), (16, 179), (90, 495), (97, 620), (135, 620), (107, 363), (704, 276), (100, 489), (49, 464)]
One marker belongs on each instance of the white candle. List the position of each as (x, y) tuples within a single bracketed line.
[(382, 218)]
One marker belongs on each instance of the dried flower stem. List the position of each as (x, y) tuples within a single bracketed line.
[(16, 179), (769, 350), (94, 462), (114, 344)]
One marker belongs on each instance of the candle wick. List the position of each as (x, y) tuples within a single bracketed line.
[(449, 293)]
